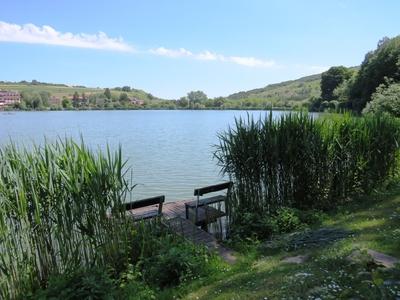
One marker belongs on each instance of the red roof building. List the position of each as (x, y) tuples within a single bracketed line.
[(9, 98)]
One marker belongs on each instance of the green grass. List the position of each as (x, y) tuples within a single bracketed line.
[(260, 273)]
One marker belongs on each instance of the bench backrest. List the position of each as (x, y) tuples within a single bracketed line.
[(213, 188), (146, 202)]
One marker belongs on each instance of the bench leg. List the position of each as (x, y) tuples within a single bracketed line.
[(204, 227)]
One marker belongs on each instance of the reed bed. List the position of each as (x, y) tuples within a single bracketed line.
[(304, 162), (55, 206)]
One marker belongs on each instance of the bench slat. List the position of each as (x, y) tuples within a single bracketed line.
[(145, 215), (206, 201), (212, 188), (144, 202)]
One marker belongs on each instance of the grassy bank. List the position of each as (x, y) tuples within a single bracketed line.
[(373, 222)]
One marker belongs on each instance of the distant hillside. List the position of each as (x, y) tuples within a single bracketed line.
[(61, 90), (287, 91)]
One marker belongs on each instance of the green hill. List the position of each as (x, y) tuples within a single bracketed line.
[(63, 90), (288, 91)]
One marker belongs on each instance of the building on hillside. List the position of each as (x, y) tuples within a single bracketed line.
[(136, 101), (9, 98)]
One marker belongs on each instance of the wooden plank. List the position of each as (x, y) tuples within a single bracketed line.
[(212, 188), (144, 202), (144, 214)]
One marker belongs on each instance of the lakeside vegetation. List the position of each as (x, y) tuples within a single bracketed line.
[(303, 163), (64, 232), (311, 198)]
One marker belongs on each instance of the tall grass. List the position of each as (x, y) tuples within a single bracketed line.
[(55, 207), (305, 162)]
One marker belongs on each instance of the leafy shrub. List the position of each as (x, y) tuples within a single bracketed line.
[(254, 226), (94, 283), (386, 99), (311, 217), (174, 263), (287, 219), (131, 286)]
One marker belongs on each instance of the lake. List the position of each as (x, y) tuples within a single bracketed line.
[(170, 152)]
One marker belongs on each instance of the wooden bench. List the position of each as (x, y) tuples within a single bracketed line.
[(203, 213), (135, 208)]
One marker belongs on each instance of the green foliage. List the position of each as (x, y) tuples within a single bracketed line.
[(55, 203), (386, 99), (66, 104), (302, 162), (165, 259), (107, 93), (254, 226), (123, 97), (260, 227), (378, 66), (196, 97), (126, 89), (287, 219), (331, 79), (175, 263), (92, 283)]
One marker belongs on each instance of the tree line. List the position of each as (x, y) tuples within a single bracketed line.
[(373, 87)]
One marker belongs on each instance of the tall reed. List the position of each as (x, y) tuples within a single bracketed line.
[(305, 162), (55, 207)]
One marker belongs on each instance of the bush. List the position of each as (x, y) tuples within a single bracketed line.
[(386, 99), (254, 226), (175, 262), (287, 219), (94, 283)]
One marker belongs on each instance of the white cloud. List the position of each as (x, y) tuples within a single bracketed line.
[(252, 62), (207, 55), (181, 52), (32, 34)]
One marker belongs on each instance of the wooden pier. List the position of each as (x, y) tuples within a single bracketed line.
[(174, 215)]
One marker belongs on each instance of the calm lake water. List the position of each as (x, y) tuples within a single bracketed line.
[(170, 152)]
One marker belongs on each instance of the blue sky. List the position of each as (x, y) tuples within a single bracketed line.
[(169, 48)]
